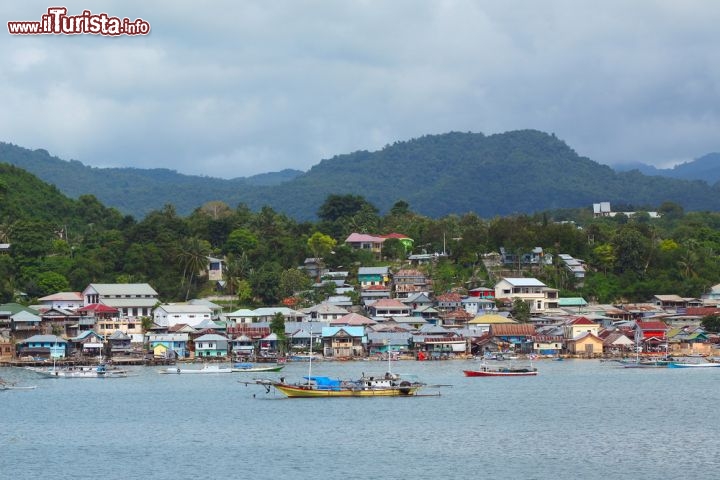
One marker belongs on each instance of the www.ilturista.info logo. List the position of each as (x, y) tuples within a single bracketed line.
[(58, 22)]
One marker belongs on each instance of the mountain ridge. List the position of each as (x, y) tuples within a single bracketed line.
[(521, 171)]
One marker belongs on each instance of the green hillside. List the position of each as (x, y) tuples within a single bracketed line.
[(514, 172)]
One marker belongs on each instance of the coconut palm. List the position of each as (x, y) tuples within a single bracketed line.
[(193, 257)]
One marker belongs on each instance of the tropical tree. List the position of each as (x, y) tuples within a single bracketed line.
[(193, 258), (711, 323), (320, 245), (277, 326), (521, 310), (292, 281)]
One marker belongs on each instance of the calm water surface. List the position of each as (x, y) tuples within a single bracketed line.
[(576, 419)]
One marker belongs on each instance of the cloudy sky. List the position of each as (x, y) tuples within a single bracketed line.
[(236, 88)]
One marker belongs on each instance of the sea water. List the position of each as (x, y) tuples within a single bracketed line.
[(575, 419)]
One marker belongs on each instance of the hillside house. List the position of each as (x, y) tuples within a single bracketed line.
[(408, 282), (530, 290), (62, 300), (177, 313), (130, 299)]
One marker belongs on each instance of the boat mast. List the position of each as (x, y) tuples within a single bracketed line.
[(310, 357)]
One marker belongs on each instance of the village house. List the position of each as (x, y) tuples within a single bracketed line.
[(617, 342), (475, 305), (245, 316), (324, 312), (530, 290), (131, 299), (482, 323), (120, 343), (43, 346), (417, 301), (388, 308), (448, 301), (343, 342), (586, 344), (7, 351), (62, 300), (651, 335), (88, 343), (211, 345), (24, 324), (577, 326), (373, 276), (514, 337), (61, 322), (176, 313), (162, 344), (408, 282), (242, 347)]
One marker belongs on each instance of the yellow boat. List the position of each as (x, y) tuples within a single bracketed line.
[(316, 386)]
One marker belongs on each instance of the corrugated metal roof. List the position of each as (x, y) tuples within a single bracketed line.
[(113, 289)]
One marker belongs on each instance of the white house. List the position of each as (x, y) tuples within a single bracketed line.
[(265, 314), (62, 300), (176, 313), (131, 299), (539, 296)]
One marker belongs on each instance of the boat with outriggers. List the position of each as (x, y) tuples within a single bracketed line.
[(315, 386), (208, 368), (486, 370), (80, 371), (253, 368)]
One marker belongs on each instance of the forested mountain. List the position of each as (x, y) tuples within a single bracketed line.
[(514, 172), (134, 191), (705, 168)]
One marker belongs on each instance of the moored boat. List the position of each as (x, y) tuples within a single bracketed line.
[(81, 371), (206, 369), (366, 386), (251, 368), (693, 365), (502, 371)]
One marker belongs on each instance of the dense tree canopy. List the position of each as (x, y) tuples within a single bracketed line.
[(63, 244)]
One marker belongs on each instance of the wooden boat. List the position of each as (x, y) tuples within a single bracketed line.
[(206, 369), (320, 386), (251, 368), (502, 371), (81, 371), (5, 385), (646, 363)]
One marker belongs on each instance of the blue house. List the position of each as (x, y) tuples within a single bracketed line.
[(176, 342), (43, 346)]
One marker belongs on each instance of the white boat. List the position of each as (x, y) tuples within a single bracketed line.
[(693, 365), (251, 367), (206, 369), (81, 371)]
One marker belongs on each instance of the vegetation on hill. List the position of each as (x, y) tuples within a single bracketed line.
[(515, 172), (60, 244)]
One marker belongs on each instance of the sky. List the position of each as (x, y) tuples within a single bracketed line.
[(236, 88)]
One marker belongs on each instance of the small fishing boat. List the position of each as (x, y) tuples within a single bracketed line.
[(646, 363), (693, 365), (6, 385), (81, 371), (320, 386), (252, 368), (502, 371), (206, 369)]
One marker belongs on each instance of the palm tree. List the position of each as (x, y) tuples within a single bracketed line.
[(193, 257)]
